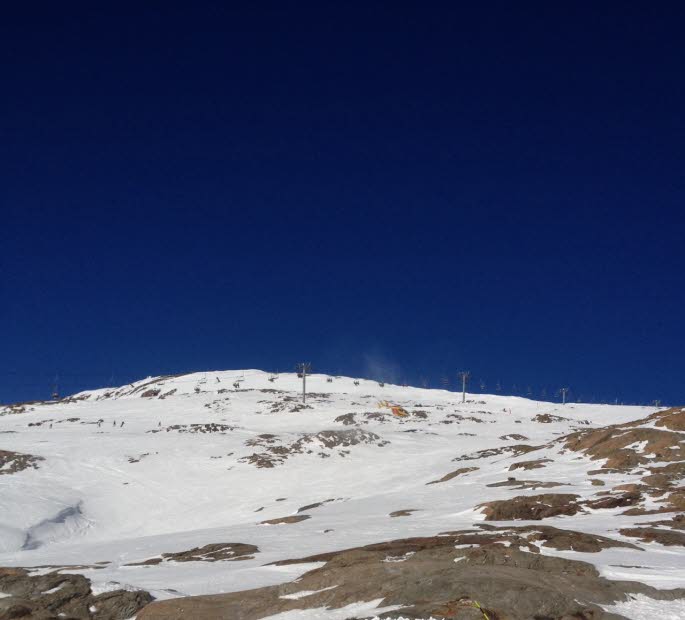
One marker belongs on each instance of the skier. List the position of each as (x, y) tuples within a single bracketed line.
[(122, 424), (114, 422)]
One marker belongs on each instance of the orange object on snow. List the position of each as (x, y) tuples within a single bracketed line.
[(398, 411)]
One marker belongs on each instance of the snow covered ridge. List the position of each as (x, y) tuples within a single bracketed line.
[(221, 482)]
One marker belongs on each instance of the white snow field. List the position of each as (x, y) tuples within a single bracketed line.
[(116, 495)]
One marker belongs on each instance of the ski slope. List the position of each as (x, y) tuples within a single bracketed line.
[(107, 495)]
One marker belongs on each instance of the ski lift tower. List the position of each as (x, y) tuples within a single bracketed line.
[(302, 369), (464, 376)]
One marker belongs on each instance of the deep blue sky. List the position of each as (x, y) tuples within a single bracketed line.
[(408, 187)]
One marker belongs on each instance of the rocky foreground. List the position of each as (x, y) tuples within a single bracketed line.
[(505, 509)]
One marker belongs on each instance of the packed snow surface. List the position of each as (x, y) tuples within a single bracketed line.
[(169, 464), (641, 607)]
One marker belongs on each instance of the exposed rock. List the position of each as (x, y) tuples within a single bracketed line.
[(151, 393), (529, 538), (119, 604), (55, 596), (315, 505), (276, 452), (454, 474), (618, 445), (672, 419), (548, 418), (514, 436), (677, 522), (614, 501), (531, 507), (215, 552), (528, 465), (652, 534), (284, 520), (403, 513), (208, 427), (426, 577), (13, 462), (515, 450), (526, 484), (568, 540), (346, 419), (666, 475)]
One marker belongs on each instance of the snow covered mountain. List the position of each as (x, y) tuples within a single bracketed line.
[(214, 483)]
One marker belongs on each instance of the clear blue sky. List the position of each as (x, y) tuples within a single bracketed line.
[(403, 189)]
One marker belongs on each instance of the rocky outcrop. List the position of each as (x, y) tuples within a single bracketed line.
[(527, 465), (513, 483), (453, 474), (427, 577), (652, 534), (55, 597), (515, 450), (229, 552), (275, 451), (13, 462), (286, 520), (531, 507), (626, 446), (208, 427)]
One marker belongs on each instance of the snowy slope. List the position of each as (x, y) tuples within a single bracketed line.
[(119, 495)]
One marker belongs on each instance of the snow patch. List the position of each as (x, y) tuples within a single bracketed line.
[(353, 610), (303, 593), (641, 607)]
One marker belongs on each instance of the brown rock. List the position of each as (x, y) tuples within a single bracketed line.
[(424, 580), (532, 507), (284, 520), (614, 501), (528, 465), (13, 462), (454, 474), (650, 534)]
